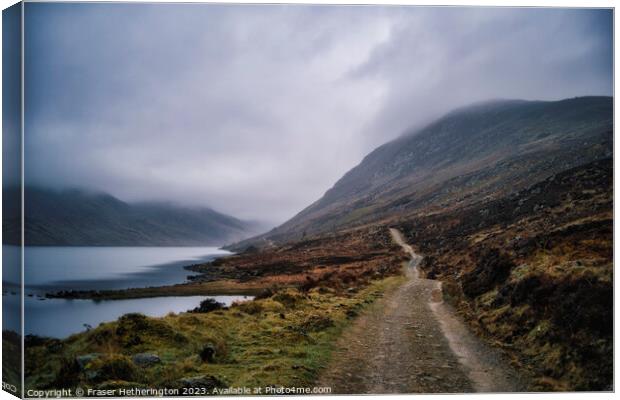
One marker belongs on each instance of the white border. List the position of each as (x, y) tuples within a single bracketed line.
[(484, 3)]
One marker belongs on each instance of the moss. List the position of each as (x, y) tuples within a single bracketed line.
[(111, 367), (250, 307), (284, 339), (288, 297)]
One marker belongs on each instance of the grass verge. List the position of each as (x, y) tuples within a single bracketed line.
[(281, 340)]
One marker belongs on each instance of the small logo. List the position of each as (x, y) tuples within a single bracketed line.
[(79, 392)]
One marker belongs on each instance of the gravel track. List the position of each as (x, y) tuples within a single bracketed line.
[(412, 342)]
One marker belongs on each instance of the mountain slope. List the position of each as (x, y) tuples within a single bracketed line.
[(511, 205), (484, 150), (82, 218)]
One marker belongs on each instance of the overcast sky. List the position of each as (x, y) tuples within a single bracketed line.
[(257, 110)]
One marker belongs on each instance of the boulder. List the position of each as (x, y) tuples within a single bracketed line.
[(145, 359)]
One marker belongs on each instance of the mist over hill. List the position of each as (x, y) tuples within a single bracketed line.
[(482, 151), (485, 150), (78, 217)]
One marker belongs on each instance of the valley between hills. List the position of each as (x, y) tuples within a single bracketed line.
[(474, 254)]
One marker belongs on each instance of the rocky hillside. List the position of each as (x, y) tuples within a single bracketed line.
[(484, 150), (511, 205), (83, 218), (533, 272)]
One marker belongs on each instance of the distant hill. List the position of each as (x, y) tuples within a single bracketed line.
[(84, 218), (478, 152)]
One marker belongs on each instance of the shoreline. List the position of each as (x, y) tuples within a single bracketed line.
[(214, 288), (200, 284)]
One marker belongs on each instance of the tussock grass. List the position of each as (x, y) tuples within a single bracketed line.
[(284, 339)]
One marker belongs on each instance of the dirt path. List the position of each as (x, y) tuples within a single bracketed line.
[(411, 342)]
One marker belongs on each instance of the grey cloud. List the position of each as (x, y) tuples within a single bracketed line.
[(257, 110), (442, 58)]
